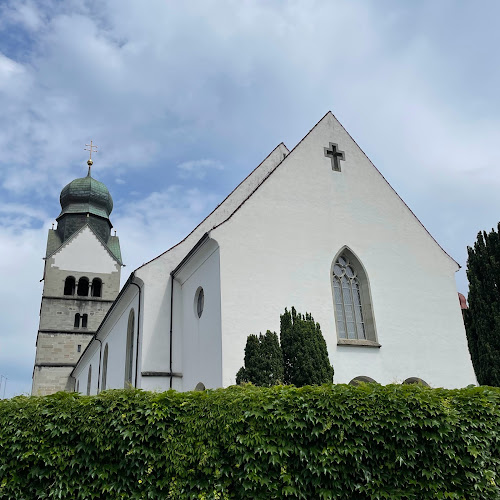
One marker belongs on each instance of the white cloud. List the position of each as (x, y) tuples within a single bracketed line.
[(155, 87), (149, 226), (198, 169)]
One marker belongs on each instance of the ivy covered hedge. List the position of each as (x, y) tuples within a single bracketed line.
[(332, 441)]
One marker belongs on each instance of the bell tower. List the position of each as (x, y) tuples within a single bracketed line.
[(81, 281)]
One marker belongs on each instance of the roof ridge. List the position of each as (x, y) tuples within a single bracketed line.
[(220, 204), (274, 169)]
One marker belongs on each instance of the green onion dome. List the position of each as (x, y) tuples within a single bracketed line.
[(86, 195)]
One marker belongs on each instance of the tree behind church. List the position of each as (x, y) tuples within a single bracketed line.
[(263, 361), (482, 319), (305, 356)]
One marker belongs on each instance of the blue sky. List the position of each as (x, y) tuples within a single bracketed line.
[(185, 99)]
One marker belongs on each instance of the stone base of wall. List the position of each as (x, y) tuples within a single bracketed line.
[(51, 379)]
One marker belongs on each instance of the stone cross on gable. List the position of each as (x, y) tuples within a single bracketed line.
[(335, 155)]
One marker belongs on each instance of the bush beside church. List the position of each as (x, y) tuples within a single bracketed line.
[(330, 441)]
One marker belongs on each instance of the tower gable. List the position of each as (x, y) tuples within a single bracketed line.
[(84, 252)]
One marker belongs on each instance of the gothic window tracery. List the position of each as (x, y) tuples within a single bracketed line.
[(346, 286), (352, 302)]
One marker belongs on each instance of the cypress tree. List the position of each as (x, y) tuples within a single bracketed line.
[(263, 361), (482, 319), (305, 356)]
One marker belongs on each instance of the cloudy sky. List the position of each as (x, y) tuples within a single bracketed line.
[(185, 98)]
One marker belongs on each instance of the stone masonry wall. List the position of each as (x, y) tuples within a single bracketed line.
[(59, 314), (62, 347), (47, 380)]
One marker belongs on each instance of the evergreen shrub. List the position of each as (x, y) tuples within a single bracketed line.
[(246, 442), (482, 319)]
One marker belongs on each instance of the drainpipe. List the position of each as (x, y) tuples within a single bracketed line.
[(171, 323), (138, 336)]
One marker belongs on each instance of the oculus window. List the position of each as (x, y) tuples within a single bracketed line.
[(199, 301)]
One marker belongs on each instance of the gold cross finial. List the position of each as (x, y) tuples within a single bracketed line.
[(90, 147)]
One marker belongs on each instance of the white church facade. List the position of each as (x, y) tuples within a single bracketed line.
[(317, 228)]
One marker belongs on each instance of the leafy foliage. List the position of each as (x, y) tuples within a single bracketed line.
[(263, 361), (482, 319), (322, 442), (305, 355)]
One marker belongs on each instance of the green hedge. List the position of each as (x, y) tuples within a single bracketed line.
[(332, 441)]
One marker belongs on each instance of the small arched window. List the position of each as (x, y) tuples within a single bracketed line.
[(362, 379), (129, 355), (105, 368), (85, 318), (96, 287), (83, 287), (416, 381), (77, 320), (89, 380), (352, 302), (69, 285)]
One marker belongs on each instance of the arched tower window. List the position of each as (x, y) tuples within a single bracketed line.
[(89, 380), (83, 287), (77, 320), (85, 318), (96, 287), (129, 356), (104, 368), (69, 285), (352, 301)]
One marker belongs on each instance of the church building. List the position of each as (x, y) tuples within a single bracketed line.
[(317, 228)]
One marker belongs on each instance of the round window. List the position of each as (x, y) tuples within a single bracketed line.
[(199, 301)]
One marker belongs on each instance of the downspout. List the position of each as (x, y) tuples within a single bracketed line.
[(138, 330), (99, 372), (171, 323)]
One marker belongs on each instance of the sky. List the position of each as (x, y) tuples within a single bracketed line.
[(184, 99)]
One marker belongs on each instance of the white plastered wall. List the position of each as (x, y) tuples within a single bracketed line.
[(114, 333), (157, 282), (277, 250), (200, 337), (86, 254)]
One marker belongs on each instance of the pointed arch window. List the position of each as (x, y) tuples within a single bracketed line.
[(129, 355), (89, 380), (104, 368), (352, 302)]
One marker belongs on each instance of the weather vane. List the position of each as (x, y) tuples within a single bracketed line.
[(90, 147)]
